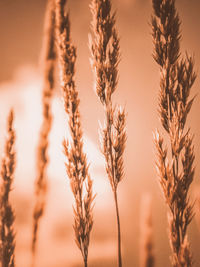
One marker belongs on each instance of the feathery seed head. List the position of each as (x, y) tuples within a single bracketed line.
[(177, 78), (7, 234), (76, 165), (48, 57)]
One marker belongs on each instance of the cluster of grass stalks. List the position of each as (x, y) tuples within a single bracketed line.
[(175, 164)]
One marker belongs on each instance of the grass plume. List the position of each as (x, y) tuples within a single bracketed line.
[(175, 167), (105, 58), (76, 165), (7, 216), (43, 144)]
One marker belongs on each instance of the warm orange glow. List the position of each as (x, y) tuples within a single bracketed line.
[(21, 88)]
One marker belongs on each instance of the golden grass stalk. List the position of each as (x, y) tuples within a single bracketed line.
[(7, 217), (42, 152), (175, 166), (147, 258), (105, 59), (76, 165)]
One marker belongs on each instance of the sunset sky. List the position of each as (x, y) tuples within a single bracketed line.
[(20, 86)]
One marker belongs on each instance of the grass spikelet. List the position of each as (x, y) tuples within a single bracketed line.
[(175, 167), (42, 152), (7, 217), (105, 58), (147, 258), (76, 165)]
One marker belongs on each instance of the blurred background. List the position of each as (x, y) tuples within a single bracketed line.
[(21, 33)]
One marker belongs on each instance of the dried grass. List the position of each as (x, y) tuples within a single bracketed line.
[(76, 165), (175, 166), (105, 58), (43, 143), (7, 216), (147, 257)]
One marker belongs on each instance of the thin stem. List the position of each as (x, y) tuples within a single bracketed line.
[(118, 230), (114, 188)]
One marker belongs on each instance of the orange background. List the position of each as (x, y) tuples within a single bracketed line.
[(20, 86)]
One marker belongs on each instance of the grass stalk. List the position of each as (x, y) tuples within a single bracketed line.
[(7, 216), (147, 257), (118, 230), (104, 46), (41, 183), (175, 166), (76, 160)]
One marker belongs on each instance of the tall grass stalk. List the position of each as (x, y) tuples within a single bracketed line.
[(105, 58), (175, 166), (7, 217), (147, 257), (48, 61), (76, 165)]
